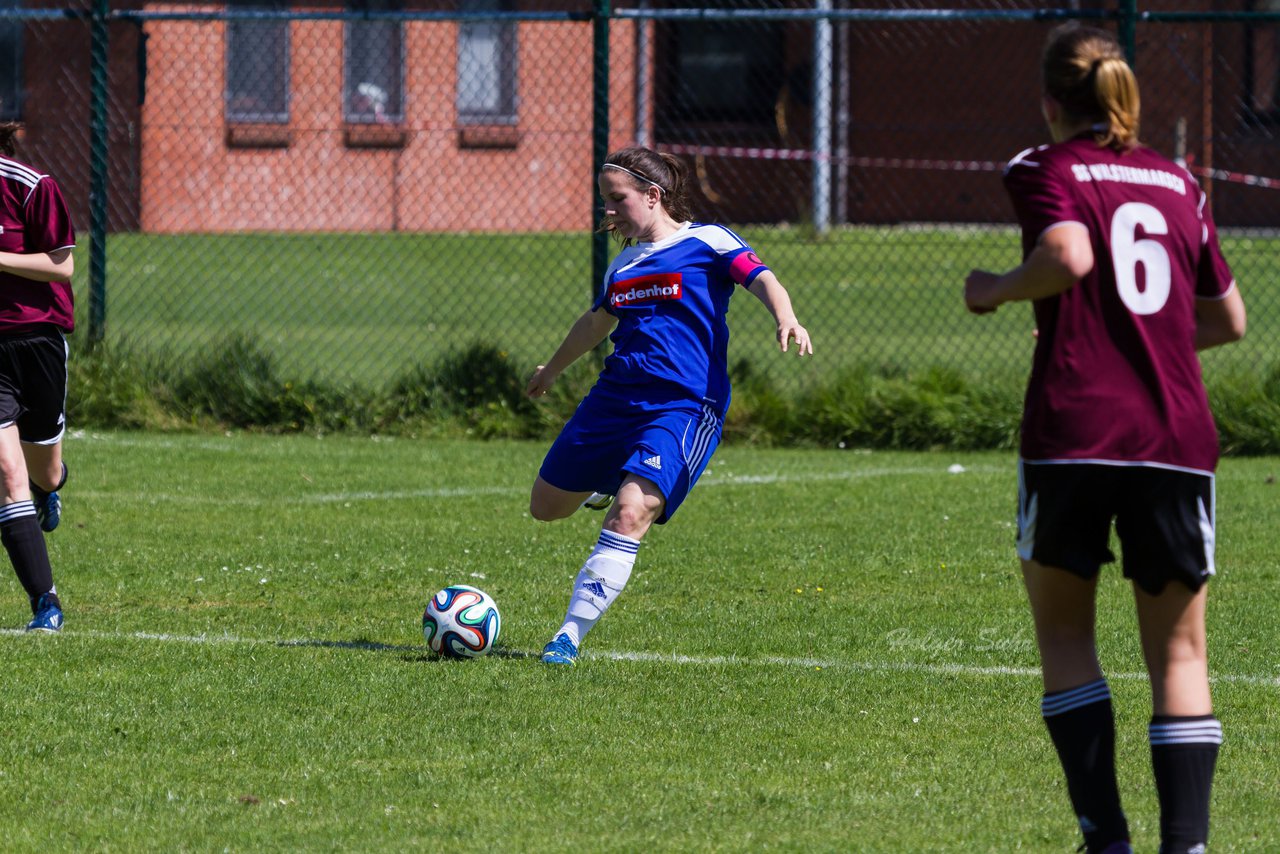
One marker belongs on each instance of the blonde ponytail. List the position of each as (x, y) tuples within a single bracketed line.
[(1116, 91), (1085, 71)]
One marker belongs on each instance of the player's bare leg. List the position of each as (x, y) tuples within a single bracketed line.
[(1184, 734), (637, 506), (14, 480), (1063, 608), (22, 537), (548, 503), (1077, 700), (47, 475), (1173, 644), (44, 464)]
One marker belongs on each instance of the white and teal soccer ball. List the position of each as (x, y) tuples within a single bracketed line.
[(461, 622)]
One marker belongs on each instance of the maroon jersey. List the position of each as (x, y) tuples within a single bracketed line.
[(1116, 377), (33, 218)]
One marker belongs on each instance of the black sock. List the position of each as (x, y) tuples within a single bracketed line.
[(1184, 751), (24, 541), (1083, 730)]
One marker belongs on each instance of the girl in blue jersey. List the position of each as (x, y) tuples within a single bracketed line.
[(648, 427)]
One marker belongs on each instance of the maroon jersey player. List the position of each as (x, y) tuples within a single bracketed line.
[(1122, 263), (36, 239)]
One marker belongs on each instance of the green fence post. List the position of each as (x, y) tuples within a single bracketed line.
[(1128, 30), (599, 135), (98, 56)]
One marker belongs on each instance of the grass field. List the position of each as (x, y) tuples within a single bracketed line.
[(825, 651), (362, 307)]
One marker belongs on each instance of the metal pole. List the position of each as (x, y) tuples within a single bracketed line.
[(1128, 30), (98, 150), (1206, 114), (644, 86), (599, 136), (841, 147), (822, 119)]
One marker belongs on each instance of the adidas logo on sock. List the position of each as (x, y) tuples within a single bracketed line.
[(654, 462), (596, 588)]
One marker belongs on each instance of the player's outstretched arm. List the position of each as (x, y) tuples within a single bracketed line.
[(1062, 257), (586, 332), (770, 291), (56, 266)]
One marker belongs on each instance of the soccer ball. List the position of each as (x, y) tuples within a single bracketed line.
[(461, 622)]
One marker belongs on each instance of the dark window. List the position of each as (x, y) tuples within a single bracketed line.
[(486, 66), (11, 65), (258, 65), (1262, 64), (723, 74), (373, 83)]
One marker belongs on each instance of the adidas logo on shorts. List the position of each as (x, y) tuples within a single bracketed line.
[(654, 462)]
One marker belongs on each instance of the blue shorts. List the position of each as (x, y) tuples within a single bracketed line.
[(608, 437)]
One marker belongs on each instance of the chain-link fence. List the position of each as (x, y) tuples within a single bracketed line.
[(361, 188)]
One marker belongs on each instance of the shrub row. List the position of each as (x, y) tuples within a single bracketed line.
[(479, 391)]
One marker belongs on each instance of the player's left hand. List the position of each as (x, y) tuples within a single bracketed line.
[(791, 330)]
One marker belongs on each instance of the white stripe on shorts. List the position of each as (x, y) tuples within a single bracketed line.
[(1026, 517), (1207, 537), (702, 436)]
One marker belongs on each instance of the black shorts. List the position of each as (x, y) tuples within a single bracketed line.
[(33, 384), (1164, 519)]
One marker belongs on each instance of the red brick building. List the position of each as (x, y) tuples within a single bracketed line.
[(342, 152), (435, 124)]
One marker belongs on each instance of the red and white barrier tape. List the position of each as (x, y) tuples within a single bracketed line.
[(754, 153), (1235, 177), (749, 153)]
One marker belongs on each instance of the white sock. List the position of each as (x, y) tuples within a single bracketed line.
[(599, 582)]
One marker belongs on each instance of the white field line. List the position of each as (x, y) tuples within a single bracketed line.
[(935, 668), (444, 492)]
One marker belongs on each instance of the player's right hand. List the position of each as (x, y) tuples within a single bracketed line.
[(978, 287)]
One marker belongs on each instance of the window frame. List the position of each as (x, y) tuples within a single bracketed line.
[(1264, 111), (12, 101), (394, 112), (506, 67), (265, 116), (679, 117)]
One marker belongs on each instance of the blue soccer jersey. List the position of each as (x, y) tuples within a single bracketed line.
[(671, 299)]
